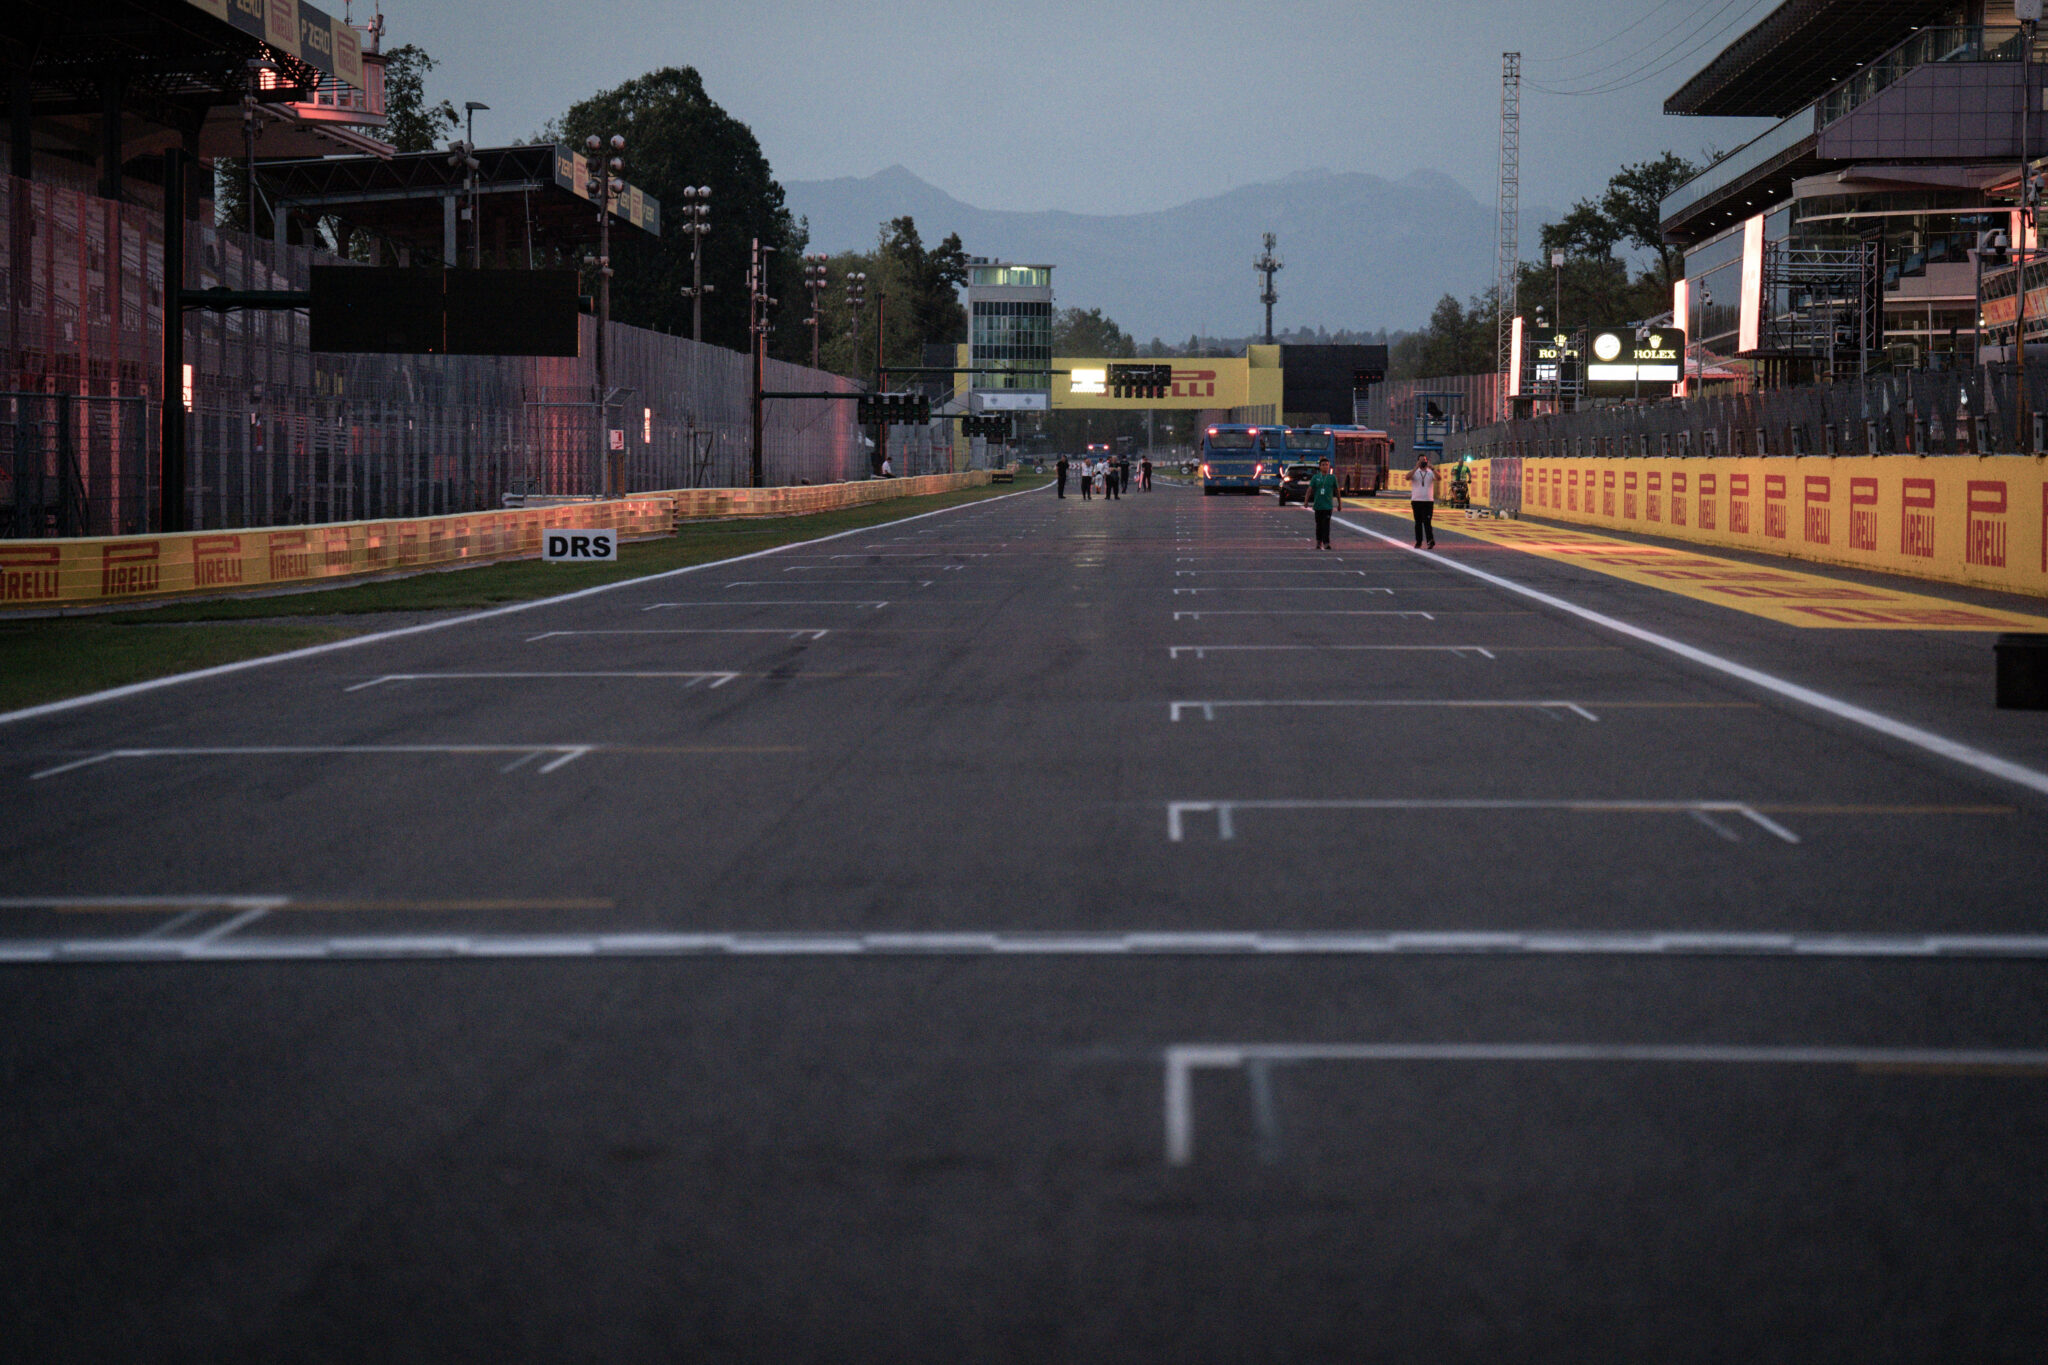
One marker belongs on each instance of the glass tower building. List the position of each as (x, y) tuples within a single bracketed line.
[(1010, 335)]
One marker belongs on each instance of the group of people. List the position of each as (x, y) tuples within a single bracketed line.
[(1325, 499), (1107, 475)]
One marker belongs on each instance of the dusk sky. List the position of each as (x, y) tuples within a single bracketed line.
[(1113, 107)]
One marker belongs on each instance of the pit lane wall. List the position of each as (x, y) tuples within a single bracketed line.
[(1981, 521), (101, 571)]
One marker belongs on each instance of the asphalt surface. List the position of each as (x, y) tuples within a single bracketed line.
[(957, 941)]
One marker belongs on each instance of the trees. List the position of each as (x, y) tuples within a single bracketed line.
[(676, 136), (1087, 332), (410, 123), (1596, 284)]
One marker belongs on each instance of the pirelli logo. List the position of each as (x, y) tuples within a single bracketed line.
[(1819, 521), (1738, 504), (1606, 494), (1985, 545), (1572, 492), (1628, 495), (291, 555), (131, 567), (1863, 514), (1916, 523), (1653, 497), (29, 573), (1678, 499), (216, 561), (1709, 488), (1774, 506)]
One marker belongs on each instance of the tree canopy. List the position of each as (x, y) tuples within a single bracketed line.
[(677, 136), (411, 124)]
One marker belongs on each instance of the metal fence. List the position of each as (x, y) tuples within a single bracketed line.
[(1969, 412), (279, 435)]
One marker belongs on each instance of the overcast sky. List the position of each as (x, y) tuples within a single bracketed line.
[(1113, 106)]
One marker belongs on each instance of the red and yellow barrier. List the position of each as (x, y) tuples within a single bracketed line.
[(99, 572), (1975, 520)]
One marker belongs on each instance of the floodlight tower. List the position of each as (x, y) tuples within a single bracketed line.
[(1266, 266), (1507, 262)]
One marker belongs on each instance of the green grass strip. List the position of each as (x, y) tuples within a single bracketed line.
[(51, 658)]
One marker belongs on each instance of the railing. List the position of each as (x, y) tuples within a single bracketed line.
[(1750, 156), (1972, 43)]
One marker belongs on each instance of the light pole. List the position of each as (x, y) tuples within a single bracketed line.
[(476, 221), (604, 186), (815, 279), (697, 222), (758, 304), (856, 300)]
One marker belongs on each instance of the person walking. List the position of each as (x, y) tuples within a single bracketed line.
[(1145, 474), (1422, 501), (1109, 478), (1061, 470), (1324, 497), (1087, 478)]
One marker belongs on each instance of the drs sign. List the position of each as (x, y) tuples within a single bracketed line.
[(577, 546)]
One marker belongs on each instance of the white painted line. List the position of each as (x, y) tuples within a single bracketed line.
[(840, 568), (1237, 573), (568, 753), (797, 633), (664, 606), (1204, 615), (856, 583), (718, 679), (1194, 592), (1182, 1059), (1208, 709), (377, 637), (1226, 811), (1204, 651), (1926, 740), (1080, 943)]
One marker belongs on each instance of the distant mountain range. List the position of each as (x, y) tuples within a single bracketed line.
[(1361, 251)]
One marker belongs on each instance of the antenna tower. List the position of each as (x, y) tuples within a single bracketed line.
[(1507, 262), (1266, 265)]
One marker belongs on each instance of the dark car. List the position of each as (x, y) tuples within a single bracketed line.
[(1294, 483)]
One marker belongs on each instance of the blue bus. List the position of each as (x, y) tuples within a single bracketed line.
[(1233, 459)]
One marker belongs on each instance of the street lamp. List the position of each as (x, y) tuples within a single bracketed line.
[(815, 278), (604, 185), (697, 222), (476, 222), (856, 300)]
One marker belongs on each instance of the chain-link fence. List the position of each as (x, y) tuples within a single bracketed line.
[(279, 435)]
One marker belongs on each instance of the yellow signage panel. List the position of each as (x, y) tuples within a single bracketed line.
[(1218, 382)]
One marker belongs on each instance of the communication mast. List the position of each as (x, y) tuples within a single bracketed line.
[(1507, 262), (1266, 265)]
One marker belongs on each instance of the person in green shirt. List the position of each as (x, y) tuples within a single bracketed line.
[(1323, 496)]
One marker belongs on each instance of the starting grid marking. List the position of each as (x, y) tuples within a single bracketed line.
[(1702, 811), (690, 679), (799, 633), (564, 754), (1257, 1060), (1204, 651), (227, 941), (1207, 709)]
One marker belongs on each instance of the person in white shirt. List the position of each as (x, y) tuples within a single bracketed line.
[(888, 467), (1422, 499)]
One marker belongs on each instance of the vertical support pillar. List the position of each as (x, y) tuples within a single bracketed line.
[(171, 451), (21, 154), (448, 231), (110, 135)]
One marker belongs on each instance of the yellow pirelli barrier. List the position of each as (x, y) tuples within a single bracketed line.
[(1975, 520), (97, 572), (693, 504), (59, 573)]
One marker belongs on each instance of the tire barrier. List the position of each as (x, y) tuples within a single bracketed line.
[(50, 573)]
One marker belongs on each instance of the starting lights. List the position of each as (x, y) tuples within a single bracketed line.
[(1140, 381), (893, 409), (994, 428)]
